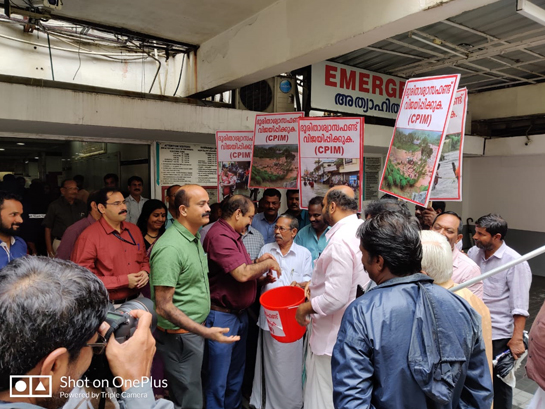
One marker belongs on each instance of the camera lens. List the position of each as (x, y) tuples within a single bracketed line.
[(140, 303)]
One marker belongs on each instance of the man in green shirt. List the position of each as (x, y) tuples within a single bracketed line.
[(181, 293)]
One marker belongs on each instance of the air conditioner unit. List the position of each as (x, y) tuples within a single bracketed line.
[(272, 95)]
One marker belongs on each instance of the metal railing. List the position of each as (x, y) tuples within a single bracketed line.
[(490, 273)]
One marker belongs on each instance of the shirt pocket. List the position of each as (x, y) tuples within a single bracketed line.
[(494, 286)]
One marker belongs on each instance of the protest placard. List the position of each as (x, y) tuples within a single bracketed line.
[(275, 151), (330, 154), (418, 136), (234, 151), (447, 185)]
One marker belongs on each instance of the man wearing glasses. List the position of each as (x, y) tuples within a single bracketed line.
[(114, 249), (68, 307), (233, 287), (279, 367)]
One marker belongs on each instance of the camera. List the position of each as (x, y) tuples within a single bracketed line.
[(122, 326)]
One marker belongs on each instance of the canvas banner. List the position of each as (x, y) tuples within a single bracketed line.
[(419, 133), (275, 151), (447, 185), (234, 151), (330, 154)]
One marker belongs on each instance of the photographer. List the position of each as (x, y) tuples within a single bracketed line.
[(52, 316)]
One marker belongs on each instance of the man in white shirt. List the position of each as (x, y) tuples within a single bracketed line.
[(335, 278), (506, 294), (282, 364), (135, 201), (449, 224)]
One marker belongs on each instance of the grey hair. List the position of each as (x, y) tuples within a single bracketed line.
[(437, 256), (342, 200), (294, 223)]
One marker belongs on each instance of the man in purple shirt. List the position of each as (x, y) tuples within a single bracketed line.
[(233, 285), (506, 295), (72, 233)]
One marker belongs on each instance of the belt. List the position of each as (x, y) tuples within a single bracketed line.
[(124, 300), (173, 331), (226, 310)]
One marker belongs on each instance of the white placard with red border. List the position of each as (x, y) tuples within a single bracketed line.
[(448, 178), (275, 151), (418, 136), (330, 154), (234, 152)]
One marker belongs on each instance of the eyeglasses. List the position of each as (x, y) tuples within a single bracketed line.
[(98, 347), (124, 202), (282, 229)]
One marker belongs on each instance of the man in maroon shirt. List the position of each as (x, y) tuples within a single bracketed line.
[(233, 285), (113, 249)]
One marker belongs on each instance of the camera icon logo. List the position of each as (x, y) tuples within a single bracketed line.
[(30, 386)]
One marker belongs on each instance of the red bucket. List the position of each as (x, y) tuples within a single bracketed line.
[(280, 305)]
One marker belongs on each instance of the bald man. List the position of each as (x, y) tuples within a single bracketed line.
[(181, 293), (331, 293)]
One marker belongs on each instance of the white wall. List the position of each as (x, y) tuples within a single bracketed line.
[(509, 185), (27, 55)]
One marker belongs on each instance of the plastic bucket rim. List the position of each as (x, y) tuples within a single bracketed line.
[(295, 304)]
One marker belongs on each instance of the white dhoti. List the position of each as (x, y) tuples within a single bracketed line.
[(319, 383), (282, 367)]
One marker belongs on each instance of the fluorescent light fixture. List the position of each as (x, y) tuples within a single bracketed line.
[(20, 143), (2, 149), (531, 11)]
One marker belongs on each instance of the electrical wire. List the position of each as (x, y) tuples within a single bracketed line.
[(180, 77), (79, 58), (51, 58)]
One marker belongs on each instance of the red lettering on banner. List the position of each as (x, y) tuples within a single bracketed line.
[(377, 85), (401, 88), (364, 82), (348, 81), (330, 76), (390, 88)]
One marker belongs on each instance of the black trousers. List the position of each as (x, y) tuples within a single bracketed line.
[(503, 393)]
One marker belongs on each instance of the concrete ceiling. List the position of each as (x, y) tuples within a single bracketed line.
[(187, 21)]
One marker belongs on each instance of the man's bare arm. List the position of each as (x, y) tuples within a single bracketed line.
[(166, 309), (247, 272)]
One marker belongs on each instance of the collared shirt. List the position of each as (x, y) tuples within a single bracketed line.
[(71, 235), (17, 249), (303, 219), (204, 231), (110, 258), (262, 225), (253, 241), (507, 293), (296, 265), (134, 208), (226, 252), (170, 220), (464, 269), (61, 215), (178, 260), (307, 238), (337, 272)]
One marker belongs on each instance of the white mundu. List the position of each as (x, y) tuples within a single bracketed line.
[(279, 367)]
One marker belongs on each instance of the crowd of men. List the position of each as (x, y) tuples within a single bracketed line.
[(384, 330)]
